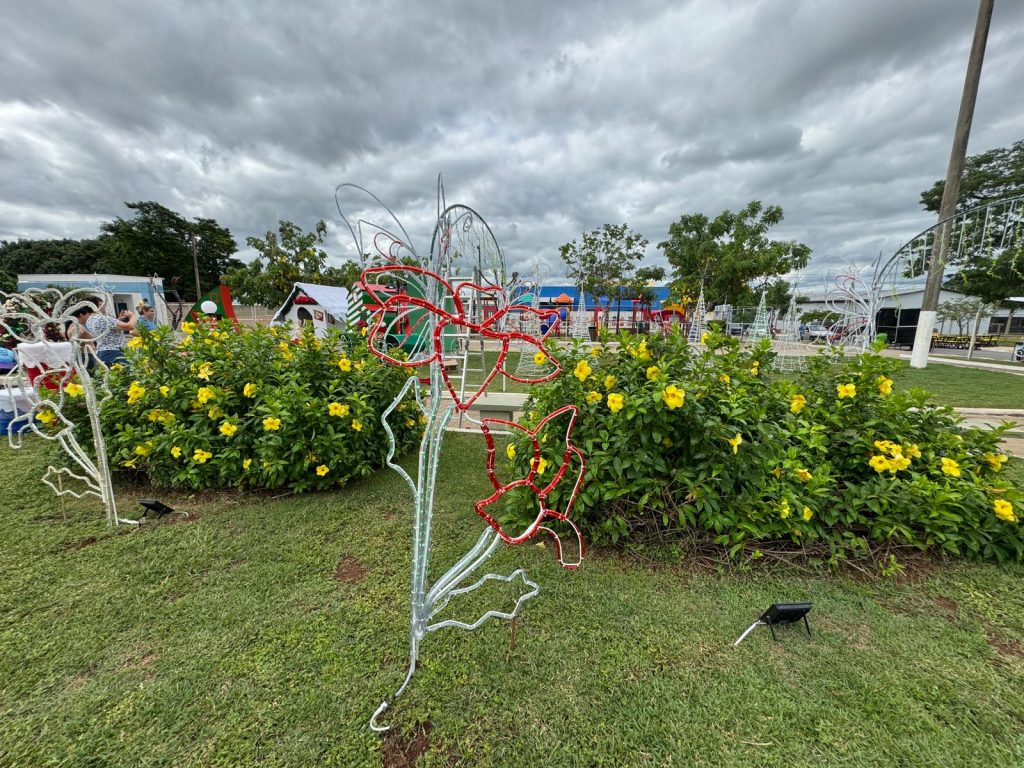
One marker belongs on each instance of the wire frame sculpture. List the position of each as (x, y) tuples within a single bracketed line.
[(760, 329), (423, 293), (30, 318), (854, 301), (789, 352), (698, 321)]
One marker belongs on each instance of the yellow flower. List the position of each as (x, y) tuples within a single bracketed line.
[(808, 513), (609, 381), (215, 412), (884, 385), (364, 330), (176, 452), (913, 451), (797, 404), (673, 396), (74, 390), (135, 392), (594, 397), (200, 456), (950, 467), (704, 337), (880, 464), (410, 422), (246, 463), (205, 395), (143, 450), (735, 442), (541, 467), (615, 402), (1004, 510), (595, 351), (995, 460), (641, 353), (539, 358), (134, 342), (899, 463), (205, 371), (777, 472), (653, 373), (803, 475), (165, 390), (784, 510), (188, 328), (360, 365), (249, 390), (185, 342), (755, 368), (322, 470), (338, 409), (724, 378), (270, 424), (228, 429), (510, 451), (357, 425), (846, 390), (884, 445), (582, 371)]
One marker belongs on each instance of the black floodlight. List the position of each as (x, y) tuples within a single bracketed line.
[(159, 508), (778, 614)]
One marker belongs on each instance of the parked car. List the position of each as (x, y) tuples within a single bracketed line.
[(818, 332)]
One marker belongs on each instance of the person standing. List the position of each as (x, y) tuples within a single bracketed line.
[(146, 317), (111, 334)]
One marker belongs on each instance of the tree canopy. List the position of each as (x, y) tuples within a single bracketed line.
[(286, 257), (991, 263), (156, 240), (602, 263), (993, 175), (731, 252), (51, 256)]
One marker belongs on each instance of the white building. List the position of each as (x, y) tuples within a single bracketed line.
[(119, 292)]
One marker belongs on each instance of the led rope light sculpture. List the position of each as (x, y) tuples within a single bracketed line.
[(26, 320), (411, 295)]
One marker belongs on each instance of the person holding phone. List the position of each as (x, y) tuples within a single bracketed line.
[(111, 334)]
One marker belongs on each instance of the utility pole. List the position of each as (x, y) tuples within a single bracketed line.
[(940, 248), (195, 263)]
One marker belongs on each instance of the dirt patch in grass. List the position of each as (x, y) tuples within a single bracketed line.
[(401, 750), (1003, 647), (142, 661), (947, 604), (74, 546), (349, 570)]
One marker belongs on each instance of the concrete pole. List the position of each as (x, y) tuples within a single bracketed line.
[(195, 265), (930, 301)]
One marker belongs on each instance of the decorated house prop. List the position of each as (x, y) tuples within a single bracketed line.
[(424, 302)]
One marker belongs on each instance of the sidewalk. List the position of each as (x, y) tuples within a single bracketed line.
[(1002, 367)]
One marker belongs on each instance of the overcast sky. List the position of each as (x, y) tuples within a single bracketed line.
[(550, 118)]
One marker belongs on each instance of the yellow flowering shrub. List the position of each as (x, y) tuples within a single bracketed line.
[(253, 408), (832, 463)]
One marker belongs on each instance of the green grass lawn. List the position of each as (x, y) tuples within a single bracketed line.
[(965, 387), (266, 631)]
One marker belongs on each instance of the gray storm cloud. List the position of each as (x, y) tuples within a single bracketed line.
[(548, 118)]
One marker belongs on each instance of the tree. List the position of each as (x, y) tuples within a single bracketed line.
[(24, 257), (159, 241), (961, 312), (286, 257), (729, 253), (603, 262), (8, 282), (993, 175)]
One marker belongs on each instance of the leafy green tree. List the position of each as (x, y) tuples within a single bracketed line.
[(603, 261), (990, 265), (156, 240), (993, 175), (24, 257), (8, 282), (962, 312), (729, 253), (286, 257)]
